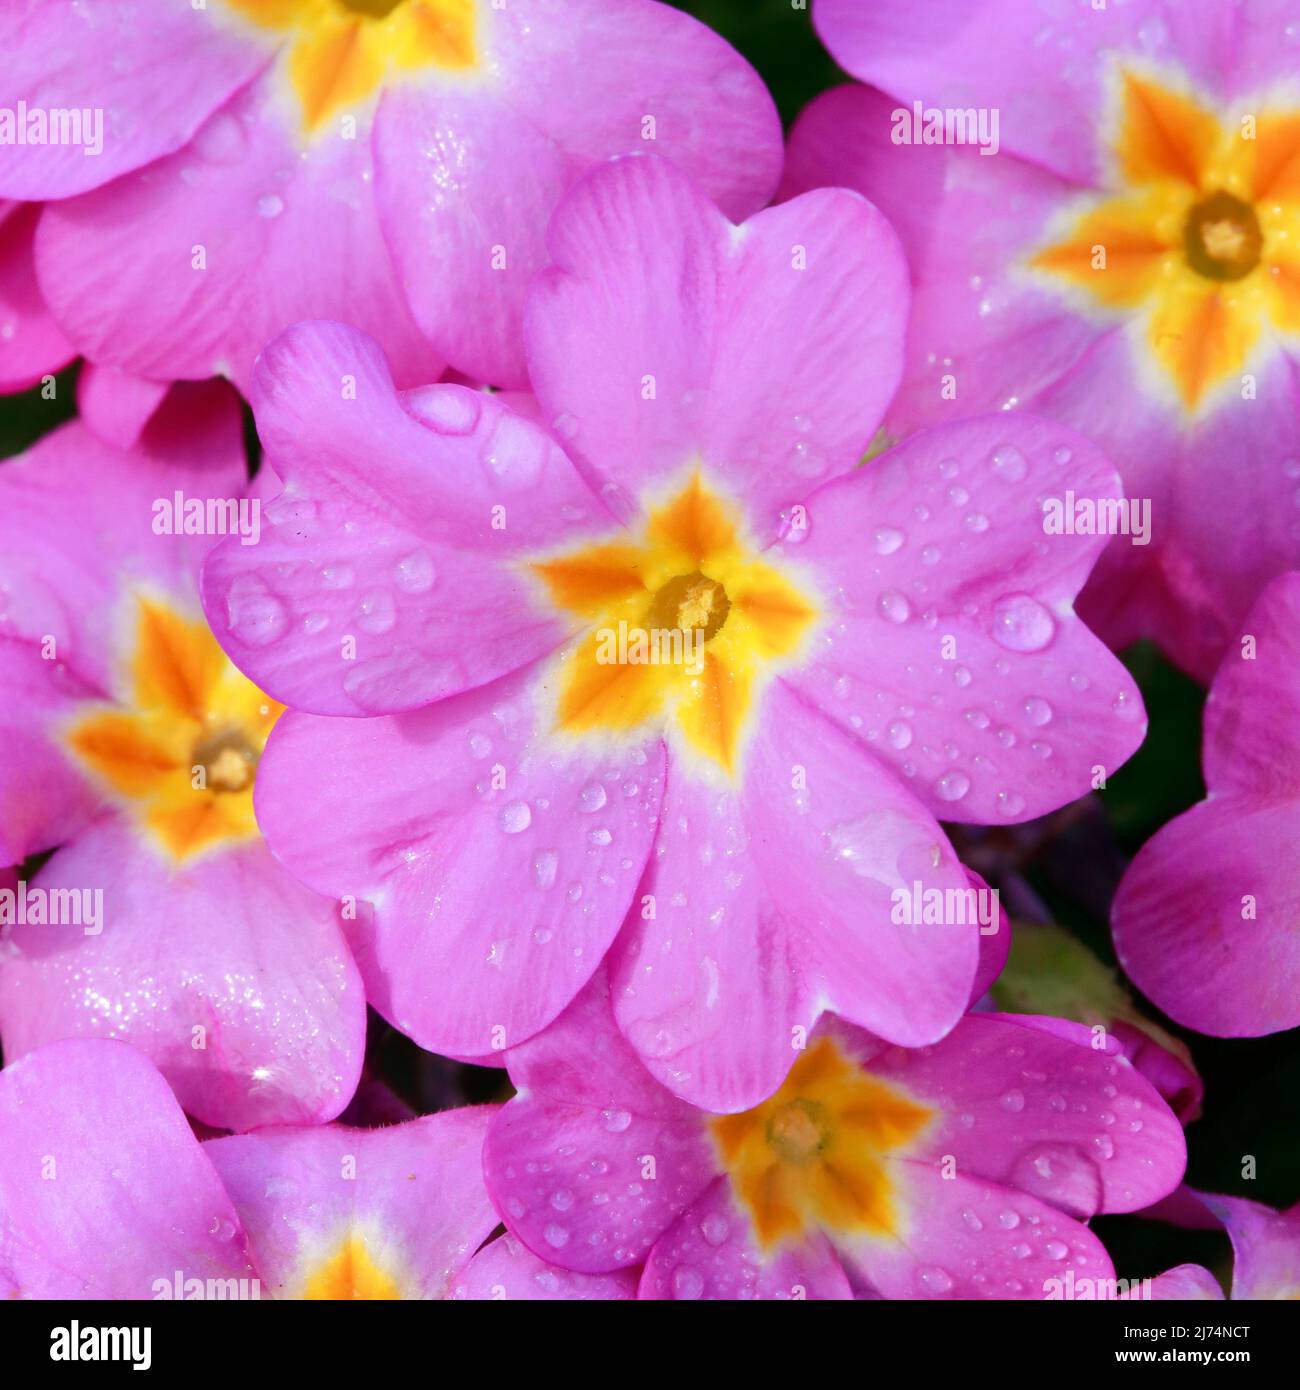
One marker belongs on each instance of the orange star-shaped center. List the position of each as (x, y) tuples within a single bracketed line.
[(181, 752), (683, 627), (1200, 238), (814, 1156)]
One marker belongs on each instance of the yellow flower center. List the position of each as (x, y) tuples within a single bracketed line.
[(1201, 238), (342, 51), (350, 1273), (685, 625), (813, 1157), (183, 756)]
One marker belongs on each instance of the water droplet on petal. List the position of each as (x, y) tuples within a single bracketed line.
[(895, 606), (1022, 624), (1009, 463)]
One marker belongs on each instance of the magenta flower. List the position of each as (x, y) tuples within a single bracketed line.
[(392, 165), (1266, 1255), (1128, 263), (1204, 919), (869, 648), (129, 746), (961, 1170), (31, 343), (89, 1131)]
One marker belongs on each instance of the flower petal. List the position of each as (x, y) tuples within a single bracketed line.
[(664, 337), (710, 1253), (335, 1212), (500, 864), (387, 576), (133, 1196), (954, 650), (574, 83), (748, 943), (233, 978), (153, 76)]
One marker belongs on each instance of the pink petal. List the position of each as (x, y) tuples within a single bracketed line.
[(1182, 1283), (978, 53), (1204, 919), (44, 800), (412, 1192), (710, 1253), (492, 905), (965, 1238), (233, 978), (1044, 1113), (398, 528), (287, 232), (978, 324), (793, 914), (507, 1270), (769, 376), (32, 345), (154, 74), (1265, 1247), (955, 650), (76, 524), (1252, 716), (115, 405), (592, 1160), (574, 83), (103, 1189)]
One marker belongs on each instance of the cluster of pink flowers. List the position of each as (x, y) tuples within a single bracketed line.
[(649, 555)]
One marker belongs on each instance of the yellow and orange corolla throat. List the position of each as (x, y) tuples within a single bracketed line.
[(814, 1157), (341, 51), (1202, 238), (685, 625), (180, 751), (349, 1272)]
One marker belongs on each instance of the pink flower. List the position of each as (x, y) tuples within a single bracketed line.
[(262, 163), (32, 345), (747, 830), (1204, 919), (1266, 1255), (128, 746), (1121, 255), (327, 1212), (961, 1170)]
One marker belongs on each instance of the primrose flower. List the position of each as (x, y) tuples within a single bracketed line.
[(326, 1212), (1120, 250), (388, 162), (744, 816), (31, 343), (129, 746), (961, 1170), (1204, 919)]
